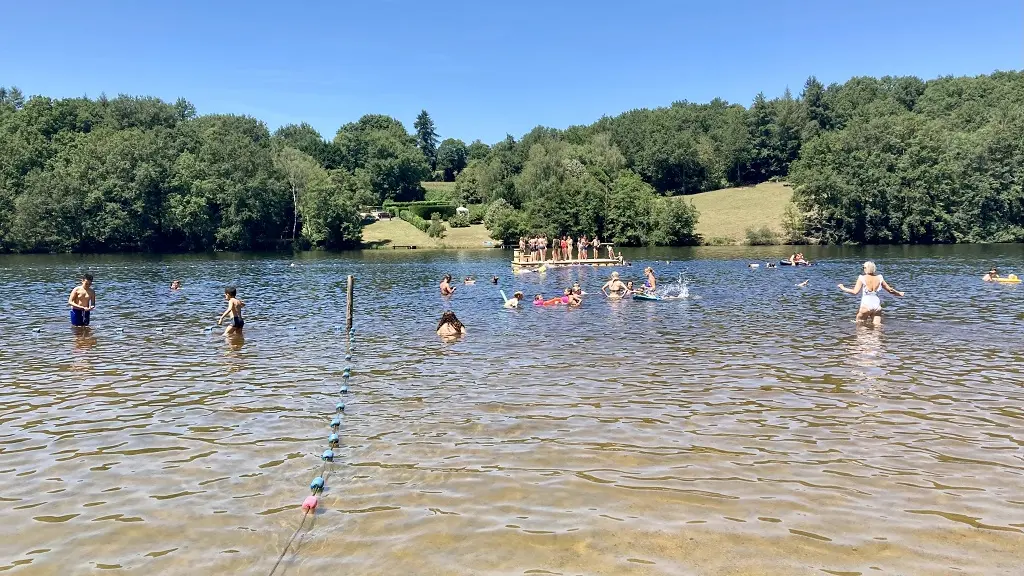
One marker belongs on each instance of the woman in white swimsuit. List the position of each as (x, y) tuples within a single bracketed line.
[(868, 285)]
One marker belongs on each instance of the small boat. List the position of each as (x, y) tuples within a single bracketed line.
[(788, 263), (642, 296)]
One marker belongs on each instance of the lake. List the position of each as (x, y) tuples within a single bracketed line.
[(751, 428)]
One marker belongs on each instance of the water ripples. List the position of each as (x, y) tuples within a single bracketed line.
[(751, 429)]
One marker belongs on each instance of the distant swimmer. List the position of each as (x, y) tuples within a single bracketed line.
[(234, 312), (176, 285), (870, 282), (82, 301), (469, 281), (803, 284), (514, 301), (992, 275), (494, 280), (753, 265), (614, 288), (446, 285), (538, 300), (769, 265), (577, 290), (630, 290), (449, 326)]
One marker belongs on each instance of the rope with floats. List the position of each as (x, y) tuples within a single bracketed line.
[(317, 486)]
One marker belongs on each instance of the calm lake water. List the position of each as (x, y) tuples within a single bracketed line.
[(751, 428)]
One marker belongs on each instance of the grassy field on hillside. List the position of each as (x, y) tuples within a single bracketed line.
[(437, 188), (388, 233), (728, 213)]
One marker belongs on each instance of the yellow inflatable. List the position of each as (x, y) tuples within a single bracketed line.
[(1011, 279)]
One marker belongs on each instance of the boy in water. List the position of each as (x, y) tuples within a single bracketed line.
[(82, 301), (234, 311)]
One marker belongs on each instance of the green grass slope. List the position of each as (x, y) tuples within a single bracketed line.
[(729, 212)]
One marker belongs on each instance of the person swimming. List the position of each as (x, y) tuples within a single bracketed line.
[(449, 326), (514, 301), (574, 300), (576, 289), (868, 285), (494, 280), (630, 290), (538, 300), (469, 281), (176, 285), (614, 288), (991, 276)]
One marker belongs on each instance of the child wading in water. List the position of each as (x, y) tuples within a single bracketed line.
[(82, 301), (234, 311)]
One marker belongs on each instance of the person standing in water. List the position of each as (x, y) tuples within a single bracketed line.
[(868, 284), (446, 285), (82, 301), (614, 288), (651, 283), (234, 311)]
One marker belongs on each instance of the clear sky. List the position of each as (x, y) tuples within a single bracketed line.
[(484, 68)]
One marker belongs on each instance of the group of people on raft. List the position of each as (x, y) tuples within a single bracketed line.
[(535, 248)]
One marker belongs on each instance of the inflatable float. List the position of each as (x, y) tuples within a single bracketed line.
[(1011, 279), (788, 263), (641, 296)]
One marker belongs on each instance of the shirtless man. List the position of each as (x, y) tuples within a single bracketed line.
[(446, 285), (82, 301)]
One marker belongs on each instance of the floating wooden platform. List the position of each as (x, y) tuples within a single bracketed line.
[(520, 262)]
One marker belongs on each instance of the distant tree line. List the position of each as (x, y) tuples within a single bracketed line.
[(873, 160)]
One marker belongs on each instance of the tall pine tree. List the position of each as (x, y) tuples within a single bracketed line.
[(426, 138)]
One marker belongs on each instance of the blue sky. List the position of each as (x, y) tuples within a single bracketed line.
[(484, 68)]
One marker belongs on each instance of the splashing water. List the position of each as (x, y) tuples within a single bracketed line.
[(678, 290)]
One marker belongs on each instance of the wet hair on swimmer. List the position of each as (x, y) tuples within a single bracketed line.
[(449, 318), (230, 291), (87, 276), (518, 295)]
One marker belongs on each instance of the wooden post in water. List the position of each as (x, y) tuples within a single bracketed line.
[(348, 306)]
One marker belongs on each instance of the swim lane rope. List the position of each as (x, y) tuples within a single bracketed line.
[(318, 484)]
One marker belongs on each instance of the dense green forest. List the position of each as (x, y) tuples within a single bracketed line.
[(873, 160)]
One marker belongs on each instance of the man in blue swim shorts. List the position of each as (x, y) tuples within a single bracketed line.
[(82, 300)]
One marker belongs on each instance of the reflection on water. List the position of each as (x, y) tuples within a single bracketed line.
[(751, 428)]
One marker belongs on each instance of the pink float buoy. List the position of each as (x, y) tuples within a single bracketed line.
[(309, 504)]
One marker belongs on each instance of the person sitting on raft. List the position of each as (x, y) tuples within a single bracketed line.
[(991, 276), (514, 301), (870, 306), (572, 300), (614, 288), (449, 326)]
